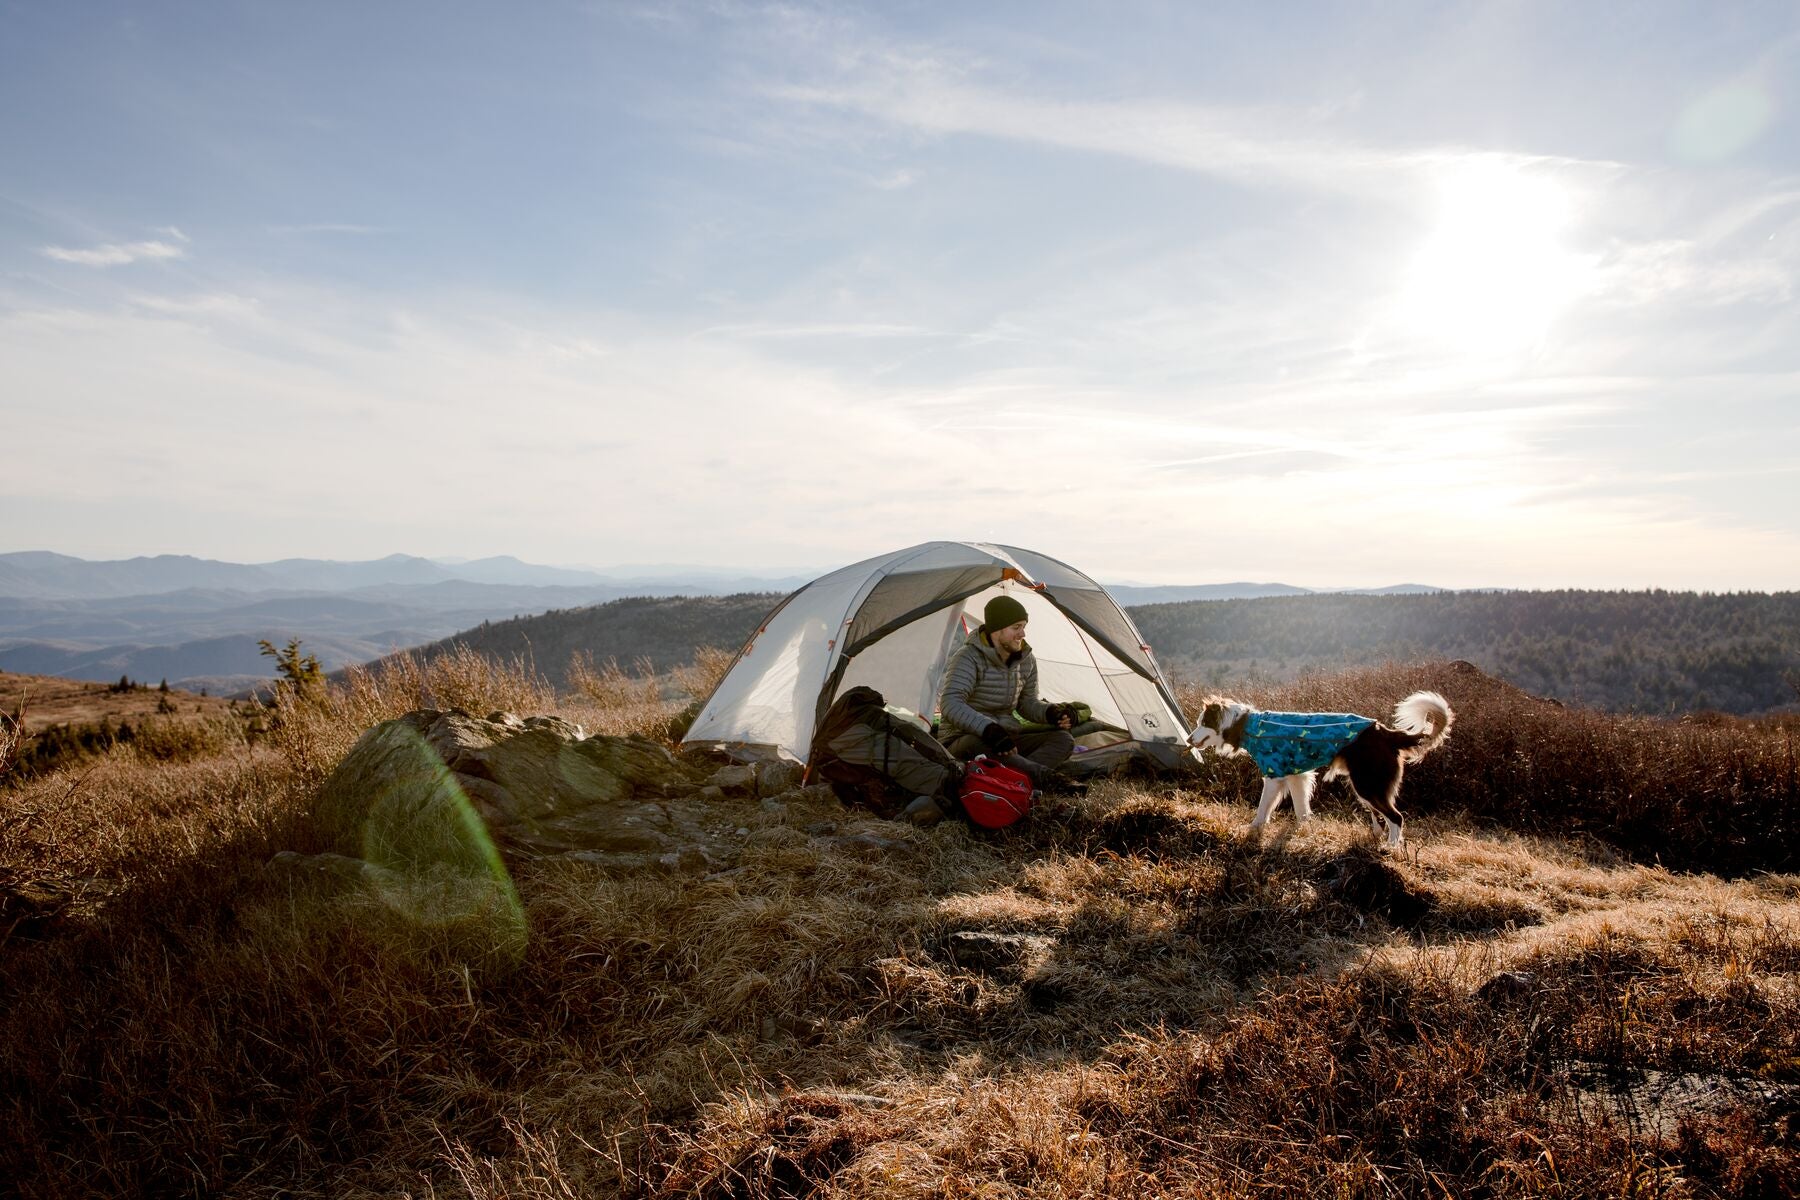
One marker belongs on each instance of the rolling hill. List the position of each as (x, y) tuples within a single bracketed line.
[(197, 622), (662, 631), (1646, 652)]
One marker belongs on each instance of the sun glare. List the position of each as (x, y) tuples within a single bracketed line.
[(1493, 272)]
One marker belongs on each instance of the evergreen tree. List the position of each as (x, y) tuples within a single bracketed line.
[(300, 671)]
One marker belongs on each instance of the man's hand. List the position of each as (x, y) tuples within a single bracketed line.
[(998, 739)]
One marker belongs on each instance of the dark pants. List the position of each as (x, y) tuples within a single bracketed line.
[(1040, 752)]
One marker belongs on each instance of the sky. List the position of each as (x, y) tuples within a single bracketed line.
[(1337, 295)]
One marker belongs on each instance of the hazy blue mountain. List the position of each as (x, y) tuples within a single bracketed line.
[(687, 579), (44, 575), (108, 636), (506, 569), (514, 598), (210, 657), (1128, 594), (16, 579), (326, 575), (188, 618), (1398, 589)]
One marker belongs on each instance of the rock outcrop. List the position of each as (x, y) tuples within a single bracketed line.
[(434, 788)]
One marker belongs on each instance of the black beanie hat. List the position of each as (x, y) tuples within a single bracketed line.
[(1002, 611)]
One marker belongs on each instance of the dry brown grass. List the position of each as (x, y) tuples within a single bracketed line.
[(121, 819), (699, 678), (619, 703), (609, 699), (1183, 1008), (1714, 792), (53, 701), (63, 723), (315, 727), (1352, 1057), (12, 735)]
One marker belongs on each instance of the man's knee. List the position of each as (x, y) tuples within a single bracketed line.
[(964, 745), (1051, 747)]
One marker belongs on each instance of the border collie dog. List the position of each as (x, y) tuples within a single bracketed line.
[(1291, 748)]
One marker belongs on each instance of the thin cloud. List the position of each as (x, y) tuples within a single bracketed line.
[(116, 255), (221, 304), (1650, 271), (840, 329), (327, 227), (1240, 145)]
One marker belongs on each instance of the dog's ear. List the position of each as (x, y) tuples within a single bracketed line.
[(1209, 725)]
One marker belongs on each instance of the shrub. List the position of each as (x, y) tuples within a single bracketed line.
[(12, 738), (64, 746), (700, 678), (161, 739), (620, 703), (467, 679), (315, 724), (1718, 793)]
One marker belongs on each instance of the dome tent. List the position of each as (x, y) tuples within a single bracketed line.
[(892, 622)]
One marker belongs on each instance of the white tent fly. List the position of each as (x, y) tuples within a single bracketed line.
[(892, 622)]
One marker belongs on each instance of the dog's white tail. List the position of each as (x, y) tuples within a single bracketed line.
[(1426, 714)]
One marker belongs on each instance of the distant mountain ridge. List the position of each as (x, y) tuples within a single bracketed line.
[(1650, 651), (45, 575), (1129, 594), (197, 621), (48, 576), (1626, 651)]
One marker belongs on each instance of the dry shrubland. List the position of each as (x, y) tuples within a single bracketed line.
[(1129, 995), (1708, 792), (12, 736)]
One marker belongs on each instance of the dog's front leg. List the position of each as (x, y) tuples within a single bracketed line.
[(1271, 796)]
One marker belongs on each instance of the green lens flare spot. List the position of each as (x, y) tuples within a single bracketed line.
[(447, 872)]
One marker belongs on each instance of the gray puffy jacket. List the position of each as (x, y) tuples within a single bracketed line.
[(979, 688)]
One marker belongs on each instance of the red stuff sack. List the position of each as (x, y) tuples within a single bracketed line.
[(994, 794)]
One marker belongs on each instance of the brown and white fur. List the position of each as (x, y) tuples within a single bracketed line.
[(1374, 760)]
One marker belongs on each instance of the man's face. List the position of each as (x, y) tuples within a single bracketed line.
[(1009, 640)]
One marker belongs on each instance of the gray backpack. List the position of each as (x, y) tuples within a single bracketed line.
[(878, 761)]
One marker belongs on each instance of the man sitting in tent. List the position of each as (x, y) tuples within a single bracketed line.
[(992, 675)]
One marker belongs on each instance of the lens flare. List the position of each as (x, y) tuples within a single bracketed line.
[(446, 870), (1721, 123)]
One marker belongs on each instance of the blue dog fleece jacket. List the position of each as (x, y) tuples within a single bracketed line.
[(1289, 743)]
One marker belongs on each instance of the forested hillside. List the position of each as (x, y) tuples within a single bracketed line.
[(1645, 652), (662, 630), (1649, 652)]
